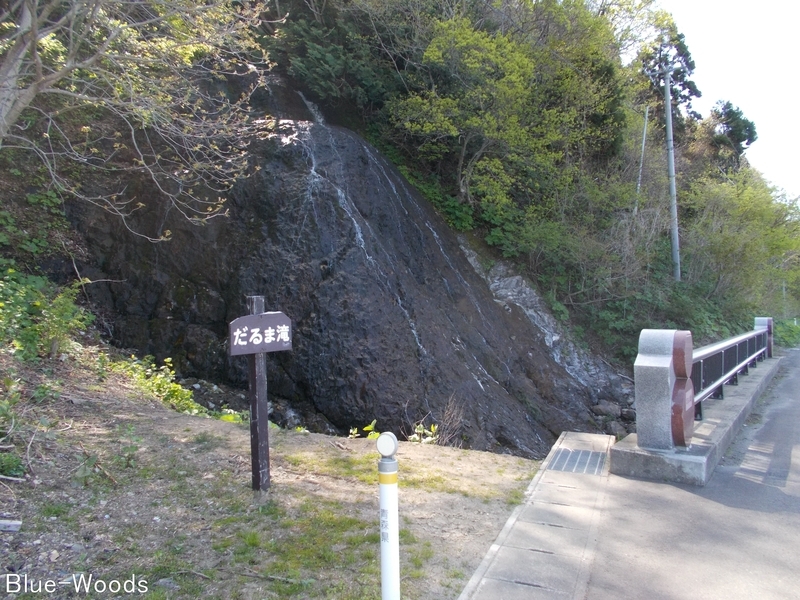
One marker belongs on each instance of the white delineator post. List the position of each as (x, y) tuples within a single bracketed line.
[(390, 527)]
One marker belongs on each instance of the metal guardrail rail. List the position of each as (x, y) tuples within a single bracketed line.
[(717, 364), (672, 379)]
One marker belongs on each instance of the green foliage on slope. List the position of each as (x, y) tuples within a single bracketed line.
[(521, 122), (36, 318)]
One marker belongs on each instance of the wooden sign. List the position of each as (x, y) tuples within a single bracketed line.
[(264, 332), (254, 335)]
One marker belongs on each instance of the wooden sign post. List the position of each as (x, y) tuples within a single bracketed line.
[(255, 335)]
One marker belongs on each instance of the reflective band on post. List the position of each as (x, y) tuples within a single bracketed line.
[(387, 478)]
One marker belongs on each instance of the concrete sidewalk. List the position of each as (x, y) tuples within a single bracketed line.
[(546, 548), (585, 534)]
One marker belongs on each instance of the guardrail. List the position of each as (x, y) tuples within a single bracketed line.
[(671, 379), (717, 364)]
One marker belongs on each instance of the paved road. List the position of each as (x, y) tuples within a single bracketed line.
[(736, 538), (584, 534)]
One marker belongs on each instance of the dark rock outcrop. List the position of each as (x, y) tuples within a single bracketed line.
[(390, 320)]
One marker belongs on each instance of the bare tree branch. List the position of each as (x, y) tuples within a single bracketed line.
[(156, 77)]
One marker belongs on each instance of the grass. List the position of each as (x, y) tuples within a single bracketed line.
[(419, 555), (425, 479), (11, 465), (515, 496), (362, 468), (54, 509), (111, 482), (208, 441), (168, 497), (300, 545)]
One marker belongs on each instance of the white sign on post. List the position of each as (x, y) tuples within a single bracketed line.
[(264, 332)]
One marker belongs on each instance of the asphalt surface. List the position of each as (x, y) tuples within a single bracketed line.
[(590, 535)]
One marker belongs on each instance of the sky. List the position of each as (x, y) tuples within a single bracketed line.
[(747, 53)]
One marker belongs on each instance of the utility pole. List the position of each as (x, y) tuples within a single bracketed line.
[(666, 68), (641, 160), (673, 194), (644, 143)]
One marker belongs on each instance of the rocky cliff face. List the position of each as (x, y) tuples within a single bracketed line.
[(391, 322)]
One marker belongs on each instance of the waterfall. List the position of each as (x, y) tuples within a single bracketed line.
[(390, 321), (337, 180)]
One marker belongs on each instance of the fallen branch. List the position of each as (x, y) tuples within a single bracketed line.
[(10, 491), (7, 478), (192, 573), (28, 453), (10, 430), (106, 473), (340, 445), (613, 367), (259, 576)]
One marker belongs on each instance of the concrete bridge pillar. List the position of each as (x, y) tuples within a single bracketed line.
[(766, 323), (664, 390)]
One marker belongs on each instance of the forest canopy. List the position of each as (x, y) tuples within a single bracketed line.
[(522, 121), (538, 126)]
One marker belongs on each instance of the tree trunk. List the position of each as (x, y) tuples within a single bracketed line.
[(12, 100), (465, 173)]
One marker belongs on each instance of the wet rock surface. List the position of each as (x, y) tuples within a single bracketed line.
[(391, 321)]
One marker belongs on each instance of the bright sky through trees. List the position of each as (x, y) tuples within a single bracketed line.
[(746, 52)]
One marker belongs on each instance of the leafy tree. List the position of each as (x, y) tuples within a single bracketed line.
[(742, 242), (477, 93), (717, 144), (136, 86), (334, 62), (514, 118), (578, 75), (631, 20), (401, 31), (669, 50), (732, 128)]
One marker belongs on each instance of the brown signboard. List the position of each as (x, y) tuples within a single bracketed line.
[(264, 332)]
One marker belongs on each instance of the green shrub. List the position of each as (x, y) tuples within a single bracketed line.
[(160, 382), (786, 333), (11, 465), (36, 317), (459, 216), (48, 200)]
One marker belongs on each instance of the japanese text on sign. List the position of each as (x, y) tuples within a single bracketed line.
[(265, 332), (242, 337)]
